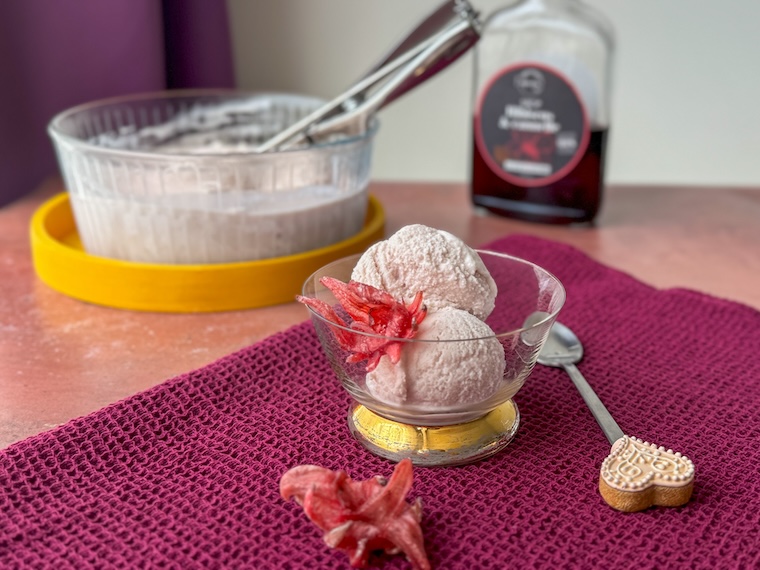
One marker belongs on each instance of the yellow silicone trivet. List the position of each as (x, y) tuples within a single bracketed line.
[(61, 263)]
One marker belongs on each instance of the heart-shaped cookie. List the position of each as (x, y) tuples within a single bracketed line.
[(638, 474)]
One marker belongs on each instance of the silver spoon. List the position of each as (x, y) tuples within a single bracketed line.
[(637, 474), (564, 350)]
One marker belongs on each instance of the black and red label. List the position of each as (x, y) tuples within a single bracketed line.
[(531, 126)]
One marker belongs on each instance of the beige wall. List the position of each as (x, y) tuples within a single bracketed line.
[(686, 105)]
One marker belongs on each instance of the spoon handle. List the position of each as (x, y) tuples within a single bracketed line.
[(601, 415)]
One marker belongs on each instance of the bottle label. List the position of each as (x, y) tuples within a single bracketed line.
[(531, 127)]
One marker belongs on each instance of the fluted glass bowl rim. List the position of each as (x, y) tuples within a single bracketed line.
[(61, 136)]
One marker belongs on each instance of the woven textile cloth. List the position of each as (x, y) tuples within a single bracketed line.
[(185, 475)]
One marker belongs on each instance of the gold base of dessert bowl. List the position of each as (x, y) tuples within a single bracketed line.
[(456, 444)]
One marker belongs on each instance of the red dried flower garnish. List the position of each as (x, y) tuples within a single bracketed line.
[(360, 517), (374, 311)]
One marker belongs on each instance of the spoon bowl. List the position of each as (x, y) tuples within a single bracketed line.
[(562, 347)]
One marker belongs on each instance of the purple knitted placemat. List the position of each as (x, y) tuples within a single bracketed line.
[(185, 475)]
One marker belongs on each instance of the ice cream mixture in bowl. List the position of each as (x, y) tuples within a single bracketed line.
[(432, 340), (175, 177)]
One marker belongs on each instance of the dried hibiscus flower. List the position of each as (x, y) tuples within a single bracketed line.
[(373, 311), (360, 517)]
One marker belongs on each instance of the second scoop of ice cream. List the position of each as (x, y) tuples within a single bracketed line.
[(464, 367)]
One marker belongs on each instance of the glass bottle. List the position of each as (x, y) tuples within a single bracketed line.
[(542, 78)]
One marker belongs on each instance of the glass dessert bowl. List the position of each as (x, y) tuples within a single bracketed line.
[(437, 386)]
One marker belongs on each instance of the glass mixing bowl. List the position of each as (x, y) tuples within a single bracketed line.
[(171, 177), (455, 402)]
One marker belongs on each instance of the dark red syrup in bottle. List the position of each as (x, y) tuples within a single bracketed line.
[(574, 198)]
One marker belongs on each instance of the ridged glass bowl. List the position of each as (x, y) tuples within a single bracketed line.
[(172, 178), (454, 408)]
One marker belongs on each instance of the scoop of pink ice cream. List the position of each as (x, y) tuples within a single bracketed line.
[(420, 258), (442, 374)]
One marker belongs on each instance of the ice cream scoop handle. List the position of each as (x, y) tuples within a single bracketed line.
[(601, 415)]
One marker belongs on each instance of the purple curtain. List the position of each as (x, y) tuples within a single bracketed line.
[(58, 53)]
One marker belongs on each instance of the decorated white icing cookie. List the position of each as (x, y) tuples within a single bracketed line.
[(638, 474)]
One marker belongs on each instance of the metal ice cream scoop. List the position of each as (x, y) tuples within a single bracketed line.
[(437, 41)]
